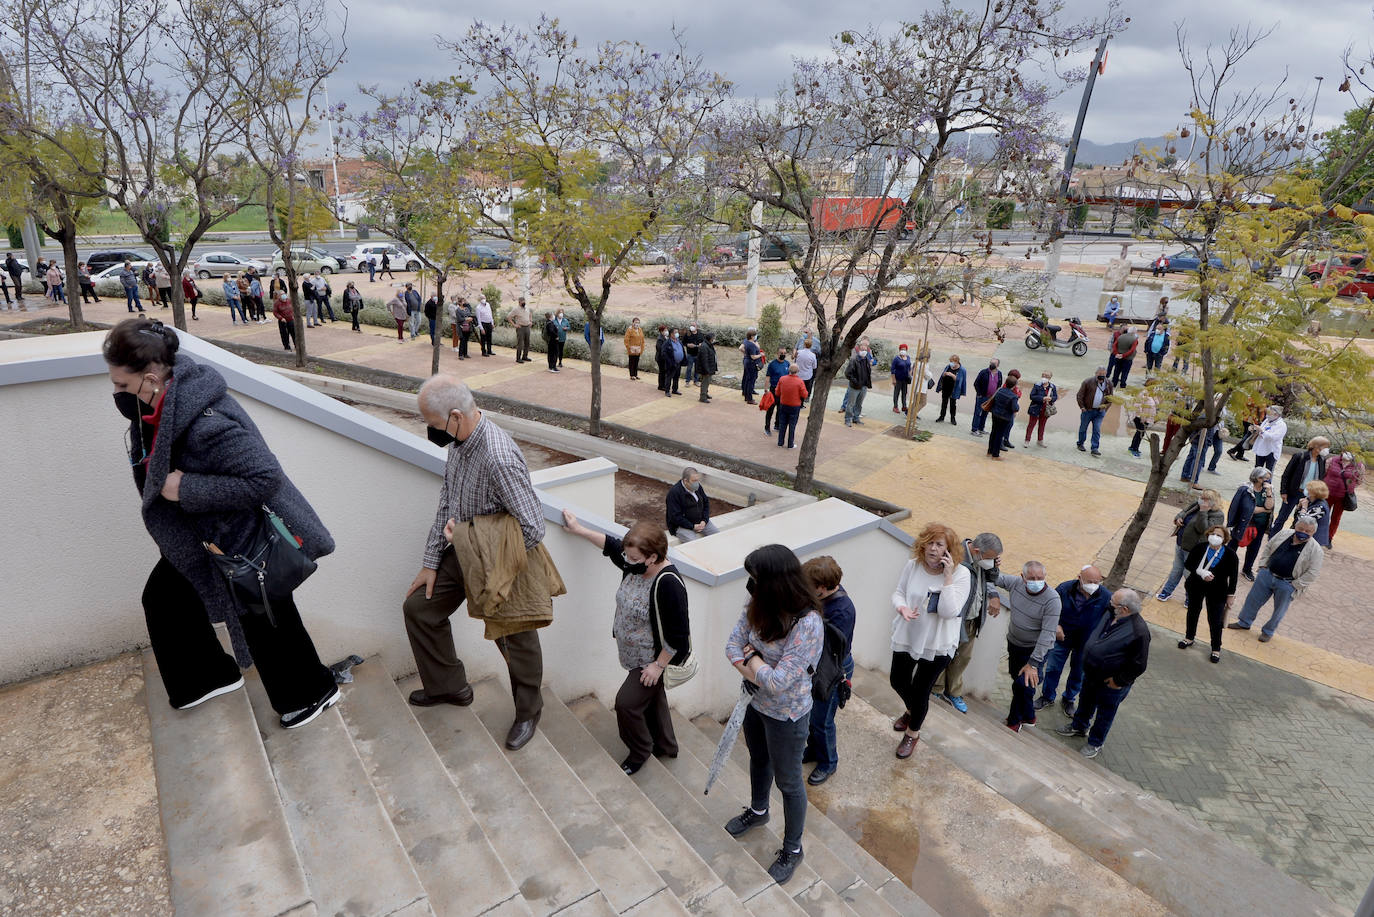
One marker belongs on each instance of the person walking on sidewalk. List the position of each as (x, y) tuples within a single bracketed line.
[(1288, 565), (901, 370), (753, 361), (1031, 627), (397, 307), (1212, 569), (706, 366), (487, 492), (985, 385), (775, 646), (789, 395), (931, 595), (522, 320), (1115, 655), (634, 347), (1082, 602), (1043, 397), (486, 322), (981, 555), (204, 471), (652, 631), (1145, 413), (386, 265), (286, 319), (858, 372), (838, 610), (1094, 395), (952, 387)]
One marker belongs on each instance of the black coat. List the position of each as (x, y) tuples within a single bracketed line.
[(667, 605), (1290, 485), (706, 358), (1223, 582), (686, 509), (858, 371)]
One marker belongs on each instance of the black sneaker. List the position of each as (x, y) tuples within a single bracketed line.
[(298, 718), (744, 821), (786, 864), (217, 692)]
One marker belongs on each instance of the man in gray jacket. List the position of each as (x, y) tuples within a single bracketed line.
[(980, 557), (1030, 634)]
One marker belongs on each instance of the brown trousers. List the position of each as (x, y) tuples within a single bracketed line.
[(646, 724), (951, 680), (431, 640)]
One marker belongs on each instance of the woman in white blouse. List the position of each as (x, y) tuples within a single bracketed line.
[(1269, 439), (930, 598)]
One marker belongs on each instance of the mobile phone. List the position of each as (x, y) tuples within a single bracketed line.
[(932, 603)]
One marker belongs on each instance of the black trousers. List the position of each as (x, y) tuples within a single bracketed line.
[(552, 352), (288, 334), (899, 389), (431, 640), (646, 724), (486, 338), (634, 366), (193, 662), (1001, 429), (1216, 612), (1139, 433), (87, 290), (947, 403), (560, 345), (913, 679)]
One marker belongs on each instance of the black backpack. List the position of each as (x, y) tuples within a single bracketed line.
[(828, 673)]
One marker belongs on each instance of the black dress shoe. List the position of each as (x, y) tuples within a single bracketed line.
[(521, 731), (820, 775), (661, 753), (631, 767), (458, 699)]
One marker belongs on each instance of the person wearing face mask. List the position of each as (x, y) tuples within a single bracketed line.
[(286, 319), (674, 355), (691, 345), (859, 373), (1191, 528), (1269, 440), (1249, 514), (753, 361), (1212, 575), (900, 369), (689, 509), (985, 385), (652, 631), (706, 365), (204, 473), (1288, 565), (1031, 628), (952, 386), (560, 319), (1094, 395), (1316, 504), (1043, 396), (775, 371), (1082, 602), (1302, 468), (1344, 474), (1124, 345), (930, 599), (1116, 654), (872, 362), (486, 494), (1003, 407), (980, 558), (634, 347)]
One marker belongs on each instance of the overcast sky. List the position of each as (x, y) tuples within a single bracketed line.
[(1144, 91)]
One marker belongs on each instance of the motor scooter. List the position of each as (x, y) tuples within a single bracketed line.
[(1039, 334)]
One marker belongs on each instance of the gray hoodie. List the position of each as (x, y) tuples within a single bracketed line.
[(1033, 618)]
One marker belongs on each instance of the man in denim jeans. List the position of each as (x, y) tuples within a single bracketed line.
[(838, 610), (1093, 397), (1082, 602), (1115, 655), (1289, 564)]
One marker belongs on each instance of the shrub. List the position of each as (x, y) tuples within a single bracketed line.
[(770, 329), (1000, 212)]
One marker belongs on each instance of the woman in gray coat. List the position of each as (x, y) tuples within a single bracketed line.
[(204, 473)]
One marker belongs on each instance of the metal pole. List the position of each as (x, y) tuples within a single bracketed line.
[(1056, 237), (751, 298), (333, 158)]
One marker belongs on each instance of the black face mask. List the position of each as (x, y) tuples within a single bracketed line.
[(635, 569), (131, 406), (441, 438), (992, 366)]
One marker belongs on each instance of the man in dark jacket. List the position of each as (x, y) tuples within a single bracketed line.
[(689, 509), (985, 385), (1156, 345), (776, 369), (839, 612), (1082, 602), (859, 372), (1093, 397), (1115, 654), (1124, 345), (691, 343), (1302, 467), (16, 272), (706, 364)]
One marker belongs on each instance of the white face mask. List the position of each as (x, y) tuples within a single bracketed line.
[(1214, 540), (1089, 588), (987, 563), (1044, 380), (1324, 451), (1033, 586), (1347, 456)]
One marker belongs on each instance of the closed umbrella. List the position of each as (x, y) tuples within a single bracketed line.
[(727, 738)]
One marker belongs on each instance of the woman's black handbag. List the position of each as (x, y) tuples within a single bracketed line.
[(1349, 501), (271, 567)]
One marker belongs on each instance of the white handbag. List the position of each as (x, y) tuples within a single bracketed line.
[(673, 675)]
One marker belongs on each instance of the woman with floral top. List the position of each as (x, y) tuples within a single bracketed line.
[(651, 632), (776, 646)]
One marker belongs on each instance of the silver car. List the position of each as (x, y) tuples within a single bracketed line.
[(217, 264)]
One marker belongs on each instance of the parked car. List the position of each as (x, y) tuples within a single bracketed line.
[(98, 261), (309, 260), (400, 258), (1338, 264), (485, 257), (217, 264), (1185, 261), (649, 254), (1359, 285), (112, 272), (769, 249)]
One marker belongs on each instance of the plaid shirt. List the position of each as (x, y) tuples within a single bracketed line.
[(485, 474)]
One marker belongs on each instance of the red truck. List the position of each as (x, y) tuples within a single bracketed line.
[(852, 214)]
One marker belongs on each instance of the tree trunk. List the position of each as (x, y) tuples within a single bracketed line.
[(438, 324), (67, 238), (594, 351), (815, 419), (1154, 486)]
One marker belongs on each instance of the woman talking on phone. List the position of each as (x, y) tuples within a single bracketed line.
[(929, 600)]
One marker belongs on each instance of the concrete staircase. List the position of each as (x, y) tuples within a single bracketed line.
[(378, 808)]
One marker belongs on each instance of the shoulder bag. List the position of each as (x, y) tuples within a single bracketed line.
[(272, 566), (673, 675)]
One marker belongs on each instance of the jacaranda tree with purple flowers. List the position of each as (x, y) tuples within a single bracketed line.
[(888, 111)]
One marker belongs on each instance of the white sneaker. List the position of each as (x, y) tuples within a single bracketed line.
[(213, 694)]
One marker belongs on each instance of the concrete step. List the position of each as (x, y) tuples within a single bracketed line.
[(545, 869), (228, 845), (1147, 841), (623, 875), (447, 847), (873, 876), (686, 874), (727, 858), (336, 819)]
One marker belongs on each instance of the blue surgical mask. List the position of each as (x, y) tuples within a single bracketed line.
[(1301, 536), (1033, 586)]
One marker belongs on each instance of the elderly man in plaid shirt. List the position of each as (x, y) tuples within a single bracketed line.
[(486, 473)]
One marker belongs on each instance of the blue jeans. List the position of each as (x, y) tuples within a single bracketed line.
[(690, 375), (236, 307), (775, 756), (371, 272), (820, 743), (787, 423), (855, 408), (1070, 651), (1175, 572), (130, 298), (1099, 699), (1210, 441), (980, 416), (1267, 585), (1091, 416)]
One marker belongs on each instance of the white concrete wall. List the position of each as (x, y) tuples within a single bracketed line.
[(75, 555)]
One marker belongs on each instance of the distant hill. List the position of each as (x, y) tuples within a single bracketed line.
[(1111, 154)]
